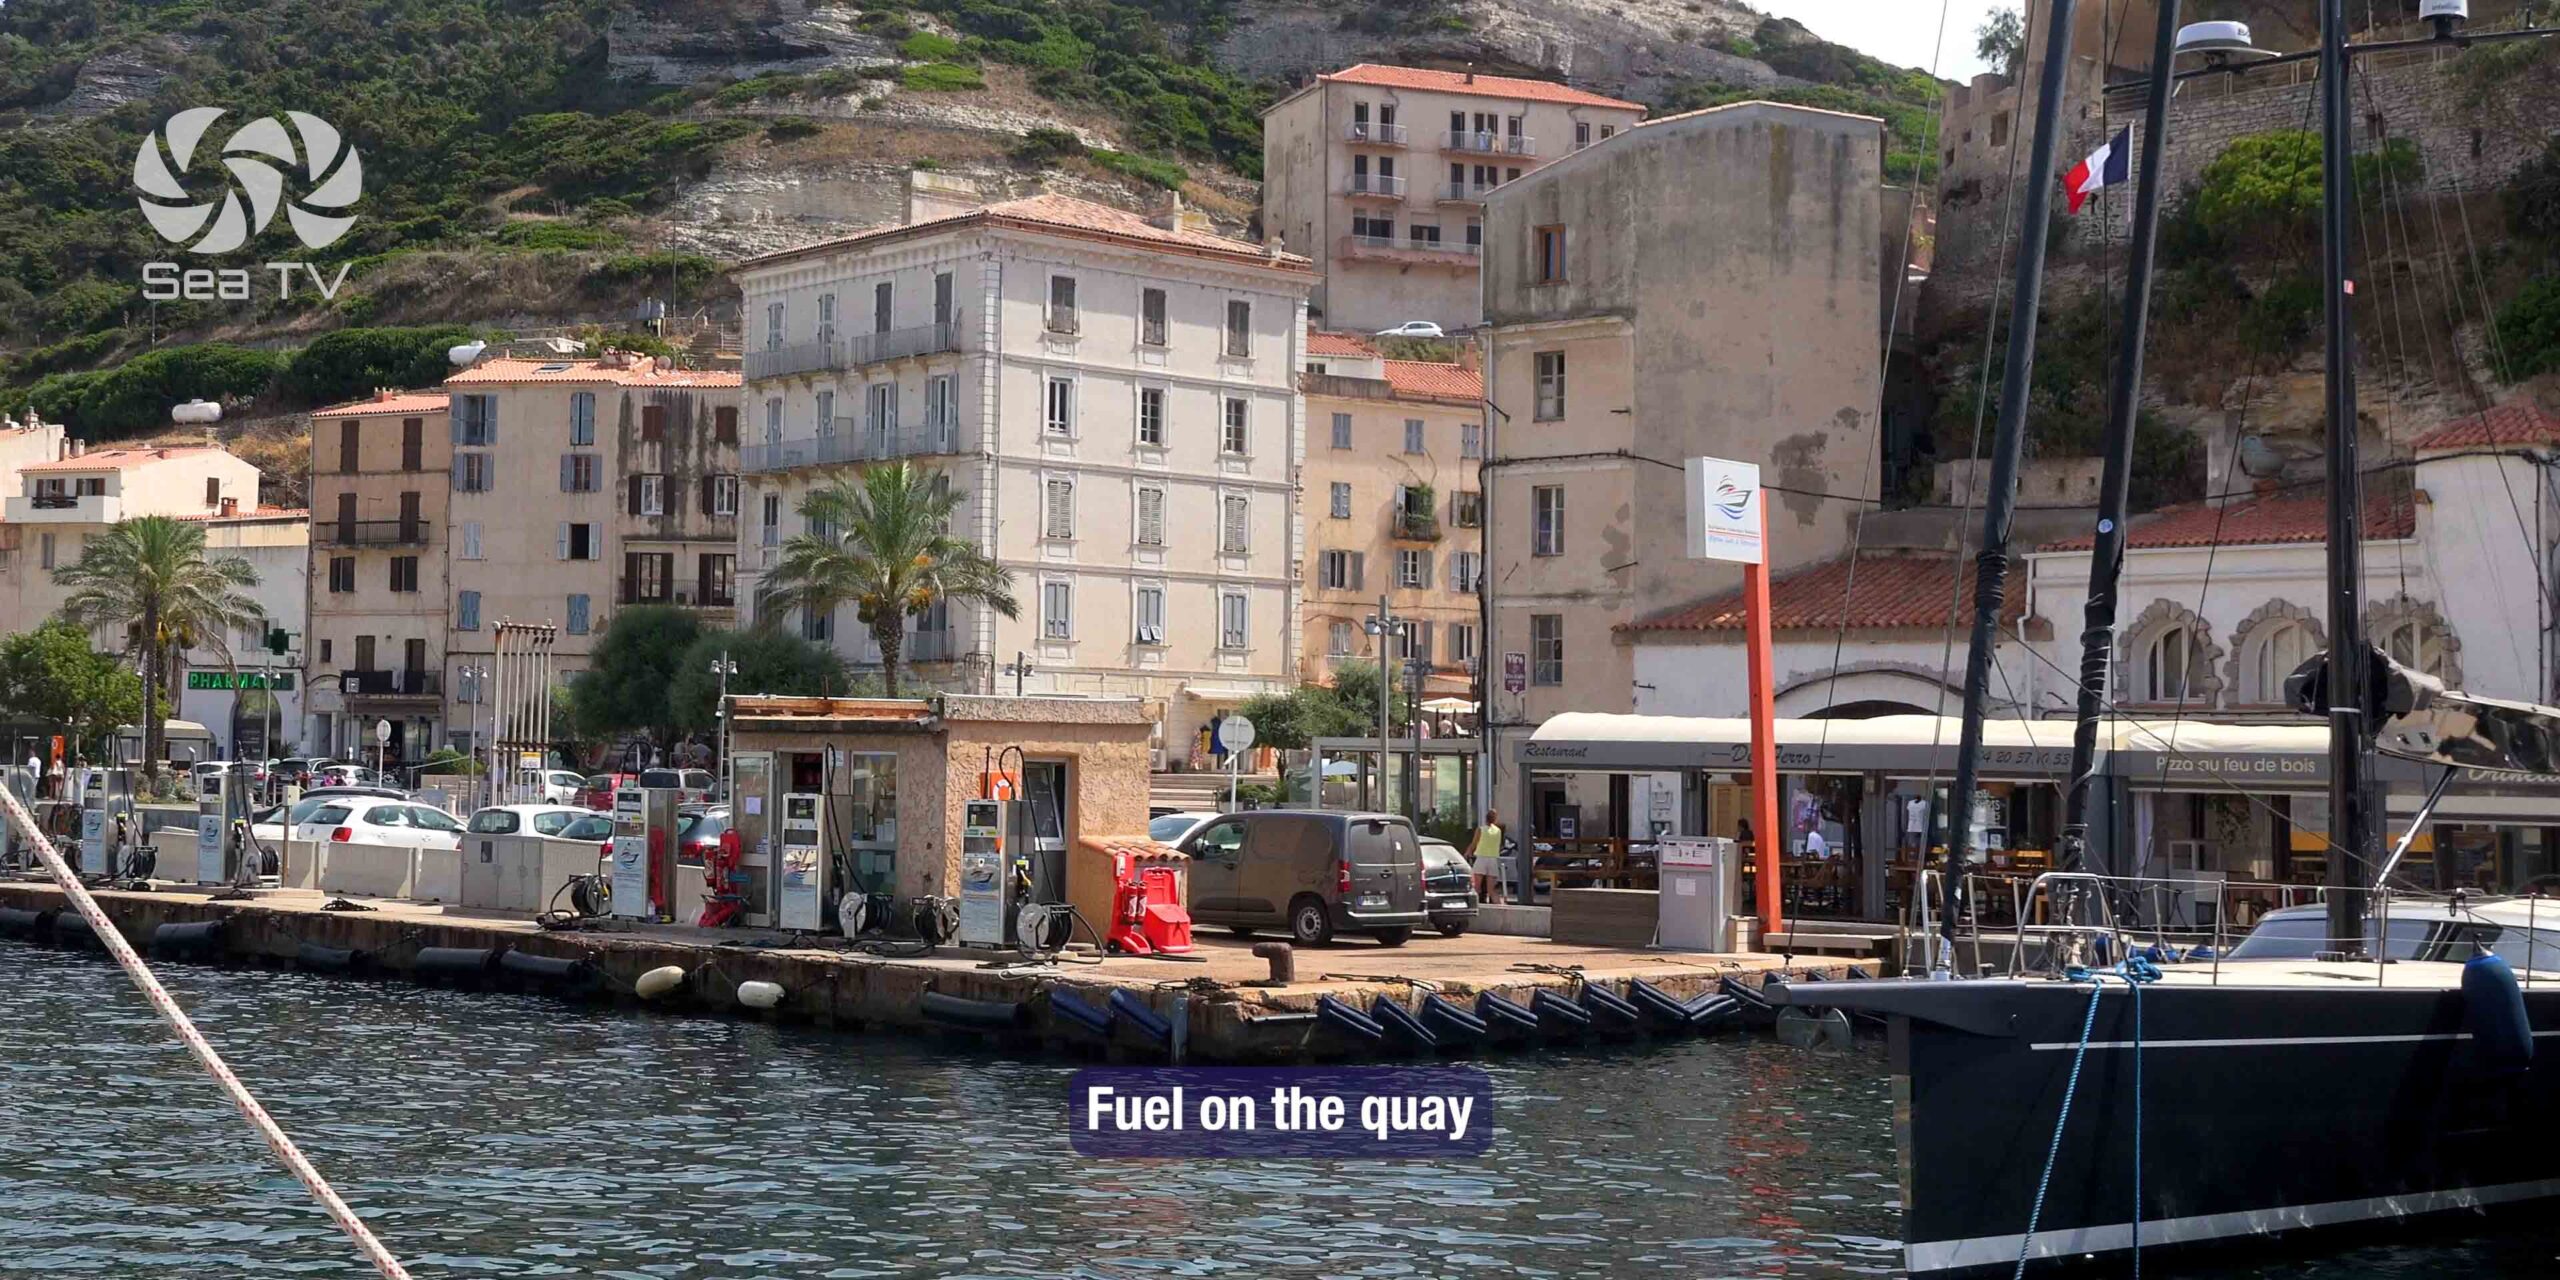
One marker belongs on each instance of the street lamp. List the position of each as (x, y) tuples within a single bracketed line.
[(1382, 625), (474, 678)]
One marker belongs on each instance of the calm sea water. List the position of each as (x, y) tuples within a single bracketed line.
[(499, 1136)]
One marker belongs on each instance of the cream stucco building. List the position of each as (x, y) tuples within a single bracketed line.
[(1638, 317), (1392, 509), (1380, 175), (1117, 399), (381, 491)]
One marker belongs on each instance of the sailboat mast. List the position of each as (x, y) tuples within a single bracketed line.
[(2000, 500), (2352, 815), (2106, 553)]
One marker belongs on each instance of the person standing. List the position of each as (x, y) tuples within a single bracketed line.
[(1488, 860)]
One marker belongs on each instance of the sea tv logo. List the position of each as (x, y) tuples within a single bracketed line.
[(212, 200)]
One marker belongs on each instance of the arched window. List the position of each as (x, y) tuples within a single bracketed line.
[(2414, 633), (2274, 652), (2173, 666), (2168, 656)]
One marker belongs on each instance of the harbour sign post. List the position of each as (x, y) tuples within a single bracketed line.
[(1728, 520)]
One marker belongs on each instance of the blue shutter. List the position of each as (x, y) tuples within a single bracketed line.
[(469, 619), (568, 473), (457, 472)]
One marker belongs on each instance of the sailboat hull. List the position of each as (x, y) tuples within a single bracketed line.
[(2303, 1101)]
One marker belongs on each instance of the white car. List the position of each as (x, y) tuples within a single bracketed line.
[(1172, 828), (1414, 329), (517, 819), (555, 786), (375, 820)]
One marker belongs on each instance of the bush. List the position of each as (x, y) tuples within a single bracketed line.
[(137, 395), (941, 77), (791, 128), (536, 236), (1044, 146), (2533, 195), (925, 46), (1162, 173), (2281, 317), (2529, 328), (350, 363), (689, 270), (2264, 186)]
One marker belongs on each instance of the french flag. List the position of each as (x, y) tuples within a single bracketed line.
[(2110, 164)]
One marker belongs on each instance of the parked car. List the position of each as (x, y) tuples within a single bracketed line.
[(375, 820), (1312, 873), (698, 834), (1414, 329), (694, 786), (597, 791), (516, 819), (555, 786), (1171, 827), (1448, 887), (201, 774), (347, 775), (298, 770)]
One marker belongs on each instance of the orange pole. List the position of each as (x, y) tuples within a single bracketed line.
[(1770, 841)]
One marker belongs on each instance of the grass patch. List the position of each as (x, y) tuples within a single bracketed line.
[(941, 77)]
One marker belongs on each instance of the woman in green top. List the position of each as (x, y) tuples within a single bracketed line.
[(1488, 859)]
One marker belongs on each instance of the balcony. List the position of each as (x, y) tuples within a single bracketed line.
[(852, 442), (1464, 192), (1390, 249), (1375, 135), (1383, 186), (1483, 143), (369, 533), (64, 508), (1414, 526), (391, 685), (853, 351), (930, 646), (683, 595)]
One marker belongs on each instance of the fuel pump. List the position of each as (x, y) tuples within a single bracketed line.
[(25, 783), (630, 855), (984, 873), (800, 891), (211, 809)]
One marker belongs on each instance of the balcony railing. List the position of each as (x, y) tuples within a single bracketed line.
[(1460, 247), (852, 351), (1414, 526), (1376, 184), (930, 646), (369, 533), (852, 442), (1484, 142), (56, 501), (1367, 246), (391, 684), (1385, 135), (64, 508), (1465, 192)]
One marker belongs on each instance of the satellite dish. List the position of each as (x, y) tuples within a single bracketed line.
[(467, 354), (196, 411), (2220, 44)]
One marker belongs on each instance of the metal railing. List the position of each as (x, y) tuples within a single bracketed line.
[(1465, 192), (1489, 143), (852, 442), (56, 501), (1414, 526), (1376, 184), (852, 351), (391, 684), (369, 533), (930, 646), (1391, 135), (799, 357), (1459, 247)]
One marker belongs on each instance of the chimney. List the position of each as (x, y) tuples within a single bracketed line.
[(382, 395), (230, 506), (1182, 217), (933, 195), (1471, 73), (1470, 357)]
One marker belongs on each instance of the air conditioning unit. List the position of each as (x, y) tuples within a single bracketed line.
[(1155, 760), (2188, 855)]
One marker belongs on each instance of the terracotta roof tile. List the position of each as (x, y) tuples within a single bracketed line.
[(1889, 589), (1050, 211), (1426, 79), (1326, 342), (2292, 515), (398, 402), (121, 459), (1434, 380), (511, 370), (2515, 422), (255, 514)]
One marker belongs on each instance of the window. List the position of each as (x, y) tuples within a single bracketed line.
[(2274, 652), (578, 615), (324, 718), (1550, 366), (826, 317), (404, 573), (945, 297), (648, 495), (882, 306), (1413, 435), (1466, 509), (773, 420), (1341, 500), (1581, 134), (475, 420), (1238, 435), (720, 495), (1342, 431), (1235, 525), (471, 473), (1608, 131), (348, 453), (471, 540), (2171, 665), (653, 423), (1425, 235), (880, 415), (771, 523), (1413, 569), (724, 425), (342, 569), (1151, 415), (1060, 419), (940, 411), (817, 626), (1057, 610), (1466, 572), (1546, 648), (1150, 615), (1239, 328), (582, 417), (648, 575), (413, 444), (1546, 526), (1151, 326), (1462, 644), (773, 326), (580, 542), (1550, 242), (466, 611), (580, 472), (1062, 304), (1058, 508), (1150, 516), (1341, 571), (1337, 639), (1234, 623), (1471, 440), (826, 413)]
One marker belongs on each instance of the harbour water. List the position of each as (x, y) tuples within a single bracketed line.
[(504, 1136)]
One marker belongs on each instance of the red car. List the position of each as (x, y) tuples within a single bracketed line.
[(597, 794)]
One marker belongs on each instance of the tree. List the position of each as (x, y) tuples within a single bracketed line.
[(51, 674), (1347, 708), (150, 578), (885, 547), (625, 686), (2001, 41), (770, 660)]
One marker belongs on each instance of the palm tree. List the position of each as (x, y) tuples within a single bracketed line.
[(149, 576), (883, 542)]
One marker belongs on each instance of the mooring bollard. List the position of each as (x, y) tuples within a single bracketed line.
[(1283, 958)]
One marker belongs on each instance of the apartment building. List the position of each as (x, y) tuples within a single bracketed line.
[(1393, 510), (577, 486), (382, 481), (1116, 399), (1379, 174), (252, 697), (1638, 317)]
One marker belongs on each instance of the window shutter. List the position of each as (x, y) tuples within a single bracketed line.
[(564, 539), (1424, 559), (708, 484), (1359, 571), (653, 422), (724, 425), (457, 472), (633, 485), (568, 472)]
